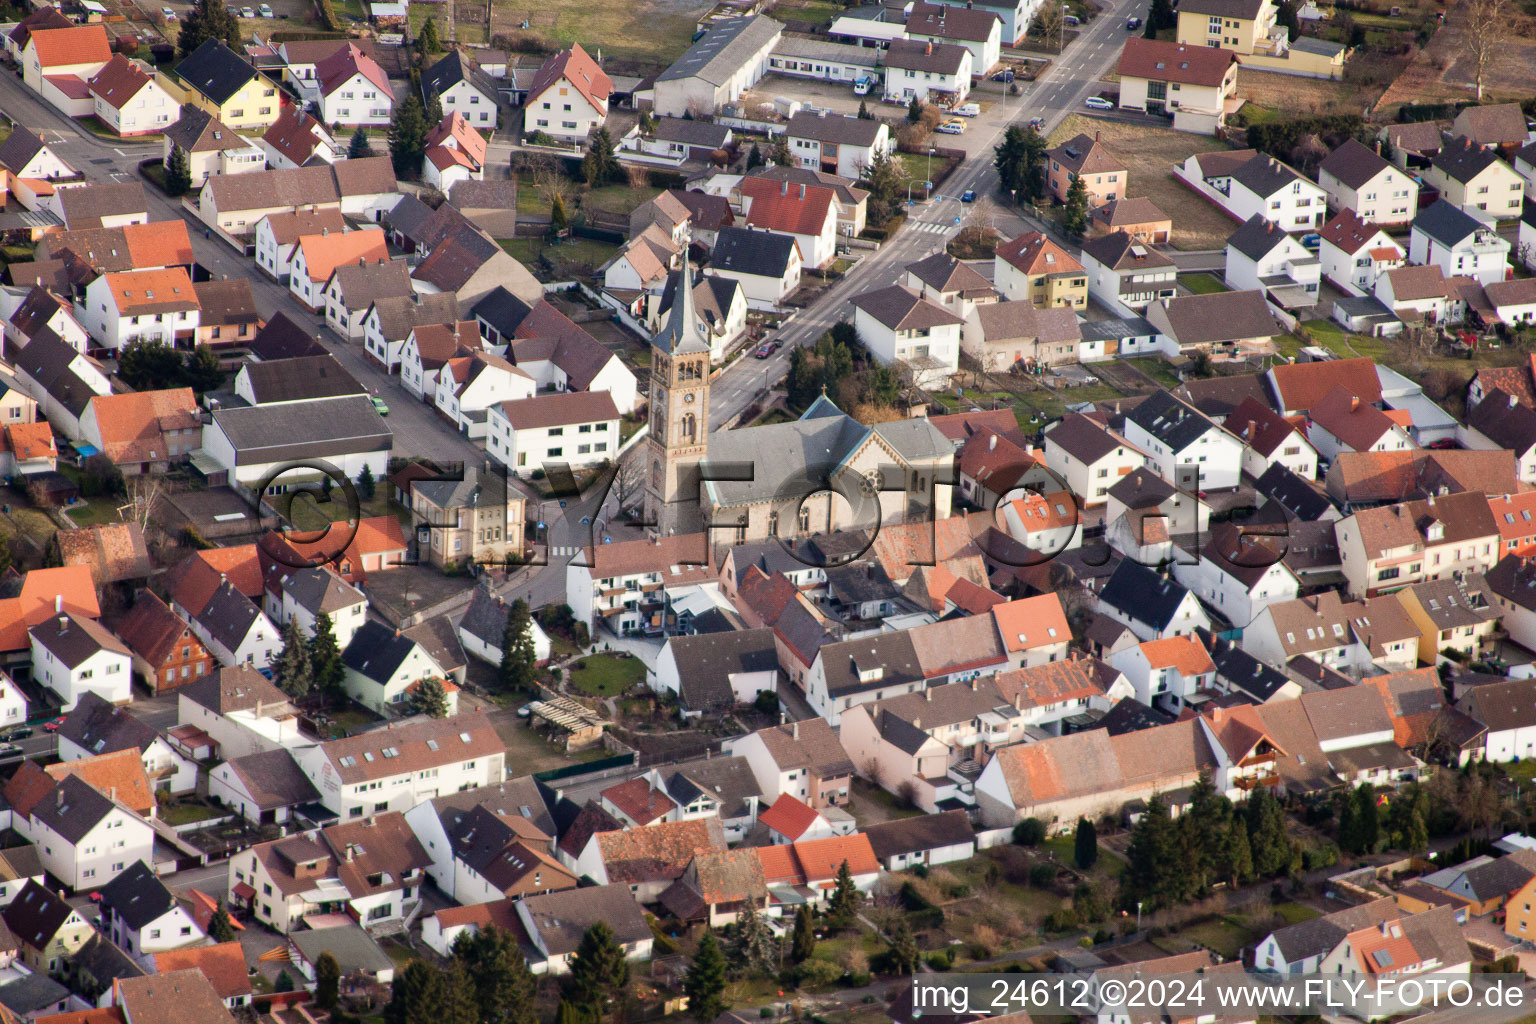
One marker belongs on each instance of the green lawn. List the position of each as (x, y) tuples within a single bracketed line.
[(1203, 284), (1156, 369), (1295, 913), (1225, 935), (574, 257), (1522, 771), (185, 814), (608, 675), (619, 198)]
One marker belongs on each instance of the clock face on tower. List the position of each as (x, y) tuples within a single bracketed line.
[(688, 398)]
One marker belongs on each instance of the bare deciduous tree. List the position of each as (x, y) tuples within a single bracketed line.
[(979, 223), (1486, 27), (544, 171), (1047, 23), (144, 493)]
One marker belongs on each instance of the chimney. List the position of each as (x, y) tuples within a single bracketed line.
[(784, 187), (794, 731), (928, 50), (325, 232), (349, 847), (992, 443), (58, 599), (63, 623), (802, 191), (58, 799), (1378, 147), (928, 694), (258, 707), (1512, 401), (1097, 135), (1354, 403), (112, 793)]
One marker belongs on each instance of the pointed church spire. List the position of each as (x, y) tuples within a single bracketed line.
[(684, 331)]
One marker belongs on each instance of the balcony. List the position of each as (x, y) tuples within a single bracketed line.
[(1248, 783)]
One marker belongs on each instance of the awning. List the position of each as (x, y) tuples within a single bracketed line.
[(204, 463), (87, 450), (244, 891)]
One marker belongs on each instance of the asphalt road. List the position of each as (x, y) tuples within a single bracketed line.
[(1066, 84)]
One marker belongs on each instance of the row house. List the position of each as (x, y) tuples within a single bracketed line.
[(1397, 545)]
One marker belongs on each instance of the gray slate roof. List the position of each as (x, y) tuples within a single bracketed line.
[(705, 662), (725, 46), (745, 251), (1445, 222), (332, 426), (300, 378)]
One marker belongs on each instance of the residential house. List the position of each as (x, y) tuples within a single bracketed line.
[(371, 869), (901, 327), (56, 63), (354, 90), (1140, 218), (222, 964), (1222, 325), (555, 923), (382, 665), (228, 622), (1127, 274), (1460, 245), (264, 788), (1421, 293), (1166, 673), (316, 257), (455, 154), (103, 205), (296, 139), (1355, 254), (140, 305), (1150, 605), (1089, 457), (129, 101), (578, 429), (949, 282), (1182, 445), (143, 431), (389, 321), (806, 213), (165, 652), (1240, 571), (226, 85), (493, 859), (1243, 27), (49, 928), (1348, 637), (278, 234), (97, 727), (1343, 421), (1504, 708), (717, 671), (936, 73), (1474, 180), (1244, 182), (1193, 83), (804, 759), (86, 837), (74, 655), (766, 264), (977, 29), (1364, 184), (303, 595), (1397, 545), (1103, 174), (1262, 257), (462, 86), (356, 776), (1299, 948), (142, 916), (227, 319), (1452, 615), (211, 147), (839, 144), (1035, 269)]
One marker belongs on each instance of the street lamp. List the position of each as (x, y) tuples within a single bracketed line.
[(928, 172)]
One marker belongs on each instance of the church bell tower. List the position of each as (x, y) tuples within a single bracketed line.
[(679, 434)]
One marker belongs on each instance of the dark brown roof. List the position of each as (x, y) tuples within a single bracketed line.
[(1353, 163), (1162, 61), (225, 302), (901, 309), (557, 409)]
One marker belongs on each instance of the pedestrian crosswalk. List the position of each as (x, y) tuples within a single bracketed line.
[(559, 551), (929, 227)]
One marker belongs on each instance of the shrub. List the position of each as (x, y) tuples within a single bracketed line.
[(1062, 920), (1029, 832), (1042, 876), (943, 960), (819, 972)]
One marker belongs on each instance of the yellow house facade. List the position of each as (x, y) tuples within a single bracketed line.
[(255, 105), (221, 82), (1242, 26)]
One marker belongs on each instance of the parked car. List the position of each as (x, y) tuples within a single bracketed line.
[(265, 11), (1099, 103), (20, 733), (246, 12), (968, 196), (968, 110), (1037, 123), (379, 405), (861, 86), (1312, 241), (167, 14), (1443, 444), (53, 726), (1132, 24), (1005, 75), (768, 348), (954, 126)]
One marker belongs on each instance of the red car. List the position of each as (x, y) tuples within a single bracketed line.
[(53, 726), (1444, 443), (95, 897)]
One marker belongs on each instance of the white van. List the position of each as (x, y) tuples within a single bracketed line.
[(968, 110)]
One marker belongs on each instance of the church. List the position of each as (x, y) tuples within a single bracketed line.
[(820, 473)]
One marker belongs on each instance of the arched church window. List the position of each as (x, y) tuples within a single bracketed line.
[(690, 426), (741, 528), (773, 524)]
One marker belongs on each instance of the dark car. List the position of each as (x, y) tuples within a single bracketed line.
[(19, 734), (1443, 444), (1132, 24), (968, 196)]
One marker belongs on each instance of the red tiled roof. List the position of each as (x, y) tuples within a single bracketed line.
[(79, 44), (1161, 61), (69, 588), (793, 209), (788, 816), (1032, 622), (576, 67), (821, 858), (1184, 654), (638, 801)]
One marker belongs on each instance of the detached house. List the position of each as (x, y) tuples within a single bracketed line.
[(1343, 421), (296, 139), (803, 759), (766, 264), (1150, 605), (976, 28), (141, 305), (1224, 325), (1081, 157), (382, 666), (129, 101), (1244, 183), (1460, 245), (211, 147), (226, 85), (142, 917), (1355, 254), (57, 62), (1126, 274), (462, 85), (902, 328), (806, 213), (1182, 445), (86, 838), (1033, 268), (1362, 182), (568, 98), (1089, 457), (937, 73), (354, 90), (1262, 257), (73, 655), (455, 154), (1474, 179), (837, 144), (143, 431), (1194, 83)]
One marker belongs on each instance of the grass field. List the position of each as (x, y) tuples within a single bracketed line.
[(1274, 91), (607, 675), (574, 257), (649, 31), (1203, 284), (1149, 153)]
